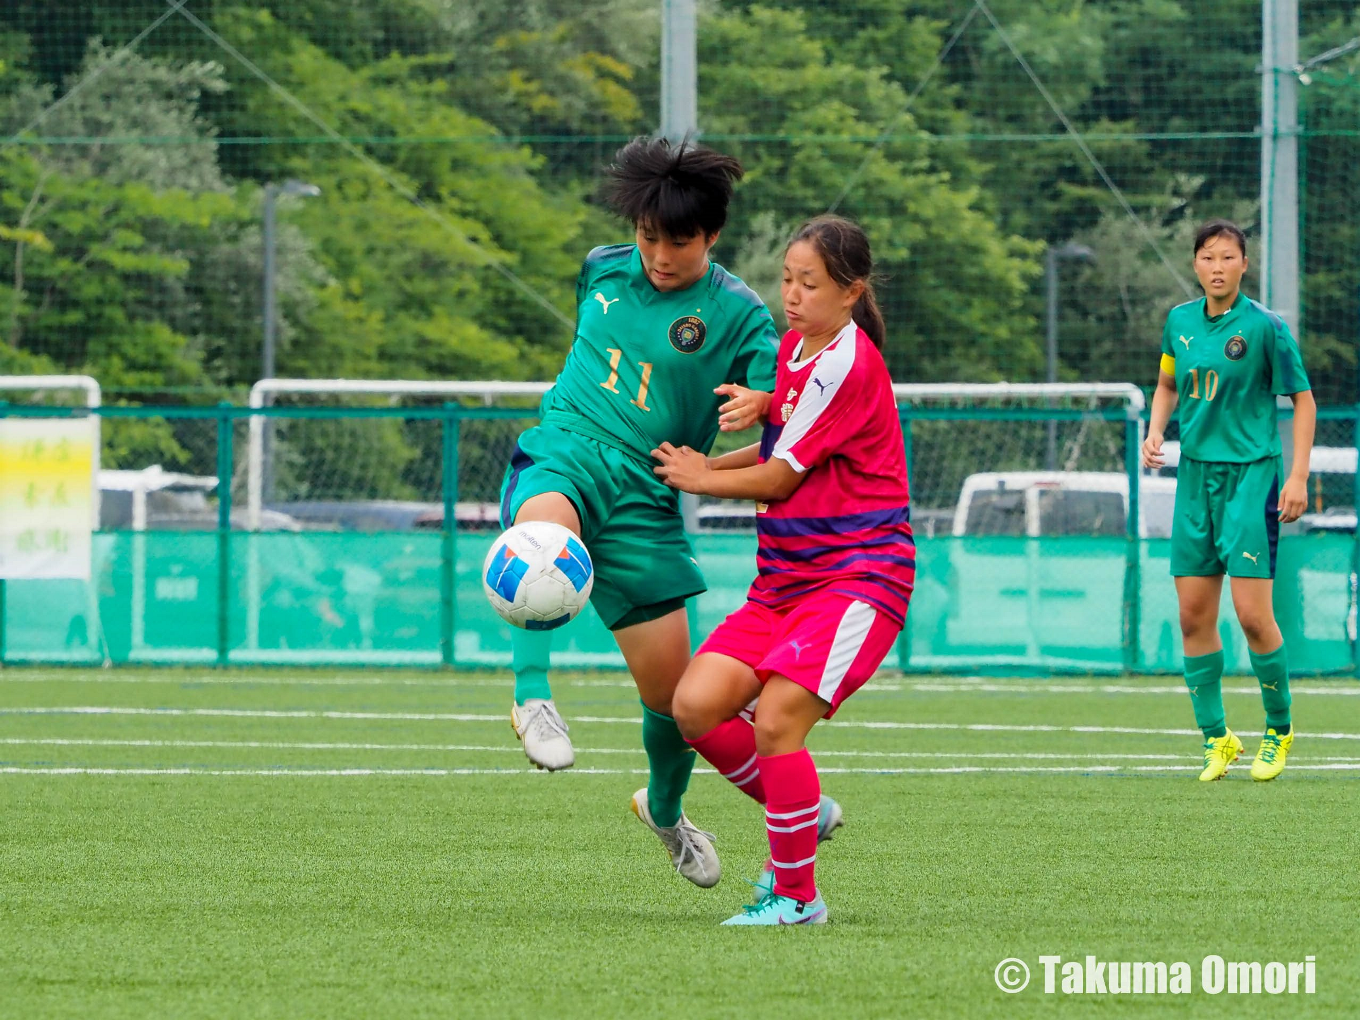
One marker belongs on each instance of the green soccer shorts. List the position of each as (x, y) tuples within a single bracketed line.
[(1227, 518), (630, 521)]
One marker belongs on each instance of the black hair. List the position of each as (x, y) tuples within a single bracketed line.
[(681, 190), (844, 248), (1220, 228)]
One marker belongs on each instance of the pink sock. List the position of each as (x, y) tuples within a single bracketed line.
[(793, 800), (731, 749)]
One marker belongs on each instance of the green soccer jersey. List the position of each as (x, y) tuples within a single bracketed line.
[(1229, 369), (645, 362)]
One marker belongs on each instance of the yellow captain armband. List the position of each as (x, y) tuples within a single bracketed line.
[(1168, 364)]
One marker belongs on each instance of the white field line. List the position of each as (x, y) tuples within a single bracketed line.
[(1343, 687), (867, 724), (246, 680), (953, 770), (516, 750)]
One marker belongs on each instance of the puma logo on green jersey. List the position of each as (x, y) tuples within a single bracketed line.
[(1186, 340), (601, 299), (1251, 557)]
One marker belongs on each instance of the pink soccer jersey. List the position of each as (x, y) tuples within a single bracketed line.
[(846, 528)]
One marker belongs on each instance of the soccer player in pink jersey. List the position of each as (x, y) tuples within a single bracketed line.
[(836, 561)]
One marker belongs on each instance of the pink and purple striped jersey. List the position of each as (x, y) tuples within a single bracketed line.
[(846, 529)]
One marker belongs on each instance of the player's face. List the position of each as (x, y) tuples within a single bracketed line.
[(814, 303), (673, 263), (1219, 266)]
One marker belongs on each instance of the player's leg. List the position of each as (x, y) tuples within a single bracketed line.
[(1197, 567), (719, 683), (543, 482), (534, 714), (711, 707), (644, 571), (657, 651), (1254, 527), (1199, 599), (826, 650), (1270, 663)]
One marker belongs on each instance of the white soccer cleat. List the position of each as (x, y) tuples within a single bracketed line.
[(690, 848), (543, 733)]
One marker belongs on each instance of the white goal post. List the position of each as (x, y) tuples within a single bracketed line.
[(488, 391), (263, 390)]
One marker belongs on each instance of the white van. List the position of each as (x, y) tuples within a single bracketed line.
[(1040, 504), (1060, 600)]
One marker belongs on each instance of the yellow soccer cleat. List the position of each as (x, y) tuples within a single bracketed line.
[(1270, 758), (1219, 753)]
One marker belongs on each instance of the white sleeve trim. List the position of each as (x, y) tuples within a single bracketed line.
[(832, 369), (789, 459)]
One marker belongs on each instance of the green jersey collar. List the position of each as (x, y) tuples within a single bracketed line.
[(1240, 300)]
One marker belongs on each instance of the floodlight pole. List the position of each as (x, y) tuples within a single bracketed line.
[(269, 302), (1279, 248), (680, 119), (1052, 257), (679, 70)]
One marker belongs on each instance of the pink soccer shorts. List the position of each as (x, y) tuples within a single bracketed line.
[(828, 644)]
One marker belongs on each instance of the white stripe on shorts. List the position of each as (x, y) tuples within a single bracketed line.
[(845, 648)]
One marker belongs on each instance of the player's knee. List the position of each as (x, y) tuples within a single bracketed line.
[(1257, 625), (771, 729), (1195, 620), (694, 714)]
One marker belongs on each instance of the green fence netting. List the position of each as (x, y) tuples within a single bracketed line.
[(360, 581)]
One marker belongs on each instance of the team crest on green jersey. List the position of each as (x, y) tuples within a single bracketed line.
[(687, 333), (1236, 348)]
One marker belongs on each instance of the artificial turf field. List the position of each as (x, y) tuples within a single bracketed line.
[(307, 844)]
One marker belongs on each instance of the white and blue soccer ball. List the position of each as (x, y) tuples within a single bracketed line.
[(538, 575)]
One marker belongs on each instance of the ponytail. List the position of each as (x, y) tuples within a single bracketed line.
[(869, 318)]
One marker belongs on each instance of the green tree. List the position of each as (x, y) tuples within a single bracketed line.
[(953, 286)]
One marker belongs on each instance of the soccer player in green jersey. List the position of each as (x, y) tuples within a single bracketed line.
[(1225, 358), (669, 347)]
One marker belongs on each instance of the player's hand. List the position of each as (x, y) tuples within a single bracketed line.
[(681, 468), (1152, 451), (744, 408), (1293, 500)]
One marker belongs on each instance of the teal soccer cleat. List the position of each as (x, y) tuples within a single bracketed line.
[(782, 910)]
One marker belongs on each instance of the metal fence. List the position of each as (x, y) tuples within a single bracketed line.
[(355, 575)]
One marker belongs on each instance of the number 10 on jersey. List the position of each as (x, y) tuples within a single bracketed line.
[(1210, 384), (615, 357)]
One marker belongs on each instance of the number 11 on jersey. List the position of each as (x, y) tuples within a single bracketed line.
[(616, 356)]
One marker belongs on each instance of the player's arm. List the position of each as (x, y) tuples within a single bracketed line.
[(1294, 495), (690, 471), (1287, 376), (1164, 400), (747, 456), (753, 373)]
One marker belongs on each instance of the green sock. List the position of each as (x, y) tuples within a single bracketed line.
[(1272, 673), (530, 651), (1204, 677), (671, 760)]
